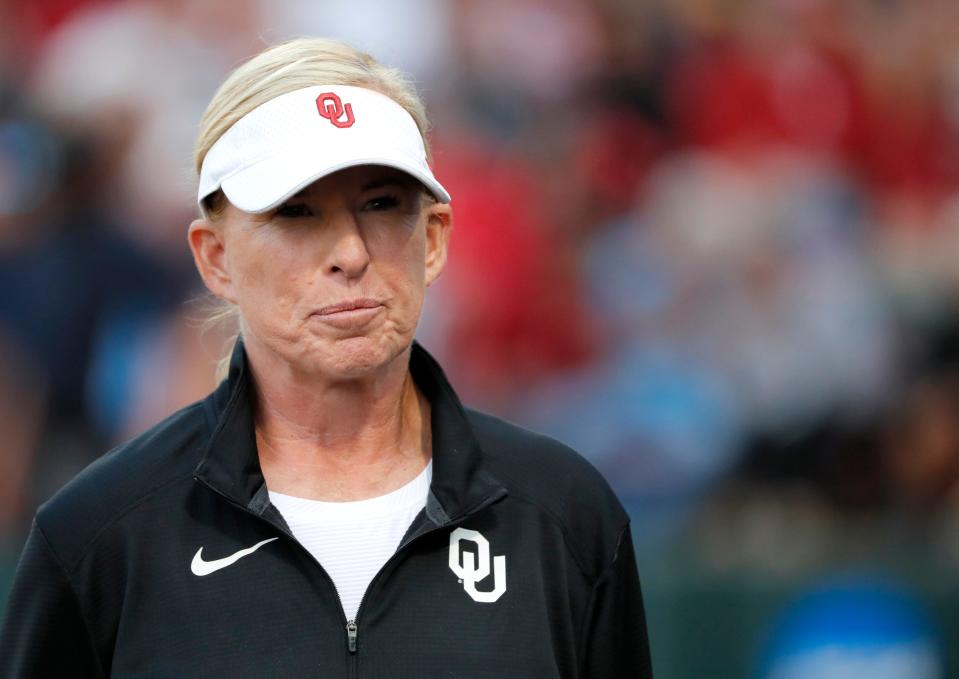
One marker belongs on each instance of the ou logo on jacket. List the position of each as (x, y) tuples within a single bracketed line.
[(475, 567)]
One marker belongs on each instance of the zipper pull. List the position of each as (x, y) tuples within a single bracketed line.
[(351, 636)]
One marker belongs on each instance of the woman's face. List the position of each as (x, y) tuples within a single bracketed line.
[(331, 282)]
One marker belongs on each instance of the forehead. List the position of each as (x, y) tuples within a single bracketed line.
[(358, 179)]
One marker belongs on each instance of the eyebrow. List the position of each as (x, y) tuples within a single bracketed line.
[(379, 182)]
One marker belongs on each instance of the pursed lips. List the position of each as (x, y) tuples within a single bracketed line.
[(349, 305), (350, 315)]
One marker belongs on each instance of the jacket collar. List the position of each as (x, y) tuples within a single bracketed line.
[(460, 486)]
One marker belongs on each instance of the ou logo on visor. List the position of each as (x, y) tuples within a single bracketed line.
[(475, 567), (330, 106)]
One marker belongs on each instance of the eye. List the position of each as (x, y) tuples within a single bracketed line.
[(384, 202), (293, 210)]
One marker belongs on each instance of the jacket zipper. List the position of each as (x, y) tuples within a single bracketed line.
[(351, 635)]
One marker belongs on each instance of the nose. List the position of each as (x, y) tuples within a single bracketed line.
[(349, 254)]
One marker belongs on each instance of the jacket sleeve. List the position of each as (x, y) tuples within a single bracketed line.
[(616, 642), (44, 633)]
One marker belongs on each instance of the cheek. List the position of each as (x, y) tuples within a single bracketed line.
[(399, 270), (266, 275), (403, 263)]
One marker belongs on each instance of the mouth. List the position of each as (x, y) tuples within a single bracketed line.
[(351, 313), (349, 305)]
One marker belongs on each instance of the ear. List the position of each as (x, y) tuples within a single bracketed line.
[(209, 254), (439, 225)]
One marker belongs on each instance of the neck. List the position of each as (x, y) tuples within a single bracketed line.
[(339, 440)]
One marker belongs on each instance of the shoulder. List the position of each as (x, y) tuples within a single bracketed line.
[(120, 479), (556, 479)]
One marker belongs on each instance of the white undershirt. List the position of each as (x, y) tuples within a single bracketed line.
[(353, 540)]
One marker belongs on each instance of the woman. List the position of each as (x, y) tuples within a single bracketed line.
[(331, 509)]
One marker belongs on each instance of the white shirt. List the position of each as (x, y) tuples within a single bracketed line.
[(353, 540)]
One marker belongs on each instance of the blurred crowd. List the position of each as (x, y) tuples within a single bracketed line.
[(712, 244)]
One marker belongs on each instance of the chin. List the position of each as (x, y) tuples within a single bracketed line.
[(358, 357)]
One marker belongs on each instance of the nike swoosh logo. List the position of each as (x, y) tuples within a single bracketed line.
[(201, 567)]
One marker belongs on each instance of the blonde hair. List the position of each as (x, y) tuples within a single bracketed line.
[(283, 68)]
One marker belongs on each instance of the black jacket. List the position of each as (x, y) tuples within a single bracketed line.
[(521, 564)]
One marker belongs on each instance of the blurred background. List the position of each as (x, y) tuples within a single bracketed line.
[(711, 244)]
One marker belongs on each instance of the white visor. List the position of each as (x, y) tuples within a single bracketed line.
[(286, 144)]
